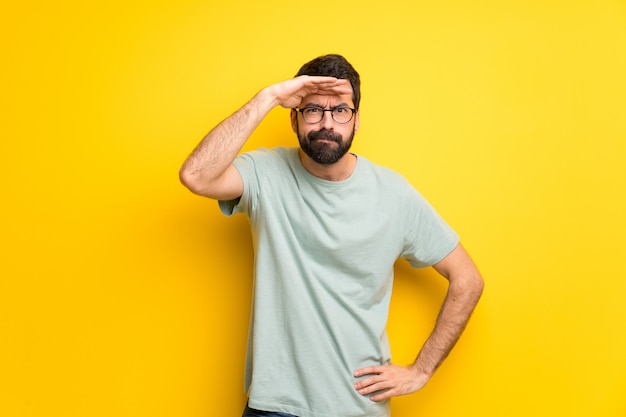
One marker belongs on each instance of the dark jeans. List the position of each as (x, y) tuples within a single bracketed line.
[(250, 412)]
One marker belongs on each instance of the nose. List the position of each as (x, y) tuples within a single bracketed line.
[(327, 121)]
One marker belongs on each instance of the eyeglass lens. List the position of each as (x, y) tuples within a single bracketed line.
[(339, 114)]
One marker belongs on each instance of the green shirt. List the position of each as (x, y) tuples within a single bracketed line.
[(324, 263)]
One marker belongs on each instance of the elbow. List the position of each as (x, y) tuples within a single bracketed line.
[(191, 181), (201, 184), (186, 178), (475, 286), (469, 287), (479, 286)]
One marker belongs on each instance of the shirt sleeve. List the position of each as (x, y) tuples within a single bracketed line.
[(248, 166), (428, 237)]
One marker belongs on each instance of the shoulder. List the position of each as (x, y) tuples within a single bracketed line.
[(392, 185), (382, 174)]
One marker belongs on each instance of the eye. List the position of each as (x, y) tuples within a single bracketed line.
[(340, 110), (312, 110)]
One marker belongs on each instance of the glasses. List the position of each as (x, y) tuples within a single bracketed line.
[(340, 115)]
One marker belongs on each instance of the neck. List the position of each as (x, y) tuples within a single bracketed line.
[(338, 171)]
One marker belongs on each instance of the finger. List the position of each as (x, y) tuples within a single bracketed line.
[(328, 85), (338, 86), (373, 387), (382, 396), (373, 383), (363, 384), (368, 370), (321, 79)]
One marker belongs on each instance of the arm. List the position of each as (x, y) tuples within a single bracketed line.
[(464, 290), (208, 171)]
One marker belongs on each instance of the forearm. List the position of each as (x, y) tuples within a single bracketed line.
[(462, 297), (392, 380), (222, 144), (208, 170)]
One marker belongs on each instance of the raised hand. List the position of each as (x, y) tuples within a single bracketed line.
[(290, 93)]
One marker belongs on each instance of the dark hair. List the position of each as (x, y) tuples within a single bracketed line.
[(337, 66)]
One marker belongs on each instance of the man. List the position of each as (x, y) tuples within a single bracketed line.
[(327, 227)]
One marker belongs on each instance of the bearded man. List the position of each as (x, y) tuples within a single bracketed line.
[(328, 226)]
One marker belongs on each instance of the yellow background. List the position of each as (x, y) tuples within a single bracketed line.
[(122, 294)]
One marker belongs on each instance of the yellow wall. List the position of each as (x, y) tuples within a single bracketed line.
[(122, 294)]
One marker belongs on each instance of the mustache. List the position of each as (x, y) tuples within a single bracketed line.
[(324, 134)]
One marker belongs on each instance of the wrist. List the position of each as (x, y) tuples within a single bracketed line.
[(420, 376), (420, 370), (268, 98)]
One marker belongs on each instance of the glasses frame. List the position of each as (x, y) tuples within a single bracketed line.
[(323, 110)]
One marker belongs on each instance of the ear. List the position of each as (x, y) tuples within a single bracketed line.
[(294, 121), (357, 121)]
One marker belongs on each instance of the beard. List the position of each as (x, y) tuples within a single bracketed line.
[(325, 153)]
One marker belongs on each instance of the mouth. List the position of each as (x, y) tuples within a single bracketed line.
[(324, 137), (324, 143)]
